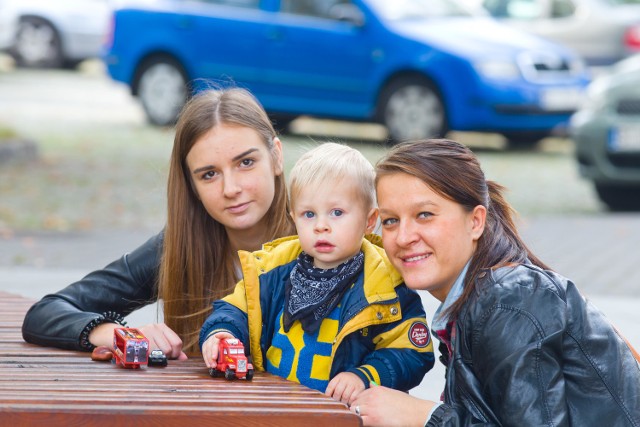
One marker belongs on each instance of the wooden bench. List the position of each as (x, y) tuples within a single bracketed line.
[(52, 387)]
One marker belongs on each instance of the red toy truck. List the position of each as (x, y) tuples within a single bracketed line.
[(130, 347), (232, 363)]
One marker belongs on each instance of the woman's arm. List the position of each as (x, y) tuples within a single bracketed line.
[(382, 406), (104, 296), (507, 364)]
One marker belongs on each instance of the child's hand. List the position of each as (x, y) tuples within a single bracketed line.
[(345, 387), (210, 348)]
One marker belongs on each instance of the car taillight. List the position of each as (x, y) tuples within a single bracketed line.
[(632, 38)]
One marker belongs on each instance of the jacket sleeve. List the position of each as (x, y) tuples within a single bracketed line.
[(403, 349), (229, 314), (515, 376), (129, 283)]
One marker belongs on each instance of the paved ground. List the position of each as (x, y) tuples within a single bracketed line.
[(599, 253)]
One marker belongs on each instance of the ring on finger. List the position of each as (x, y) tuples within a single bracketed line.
[(357, 410)]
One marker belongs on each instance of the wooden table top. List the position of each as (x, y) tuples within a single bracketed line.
[(52, 387)]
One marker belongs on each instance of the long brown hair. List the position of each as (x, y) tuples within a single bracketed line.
[(453, 171), (197, 260)]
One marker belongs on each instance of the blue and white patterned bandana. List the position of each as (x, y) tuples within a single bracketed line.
[(311, 293)]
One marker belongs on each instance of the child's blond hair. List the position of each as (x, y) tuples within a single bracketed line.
[(334, 163)]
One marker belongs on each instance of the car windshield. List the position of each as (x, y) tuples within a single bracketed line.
[(400, 10), (621, 2)]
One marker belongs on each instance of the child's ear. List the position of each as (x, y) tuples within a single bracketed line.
[(372, 220)]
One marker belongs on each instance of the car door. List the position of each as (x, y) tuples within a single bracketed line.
[(225, 41), (318, 63)]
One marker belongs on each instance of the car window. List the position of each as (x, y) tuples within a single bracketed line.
[(518, 9), (620, 2), (530, 9), (317, 8), (253, 4), (562, 8), (418, 9)]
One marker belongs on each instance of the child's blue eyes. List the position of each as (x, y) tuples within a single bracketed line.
[(335, 212)]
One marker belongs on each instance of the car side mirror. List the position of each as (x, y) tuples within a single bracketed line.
[(347, 12)]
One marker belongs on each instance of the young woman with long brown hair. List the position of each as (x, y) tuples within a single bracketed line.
[(226, 192)]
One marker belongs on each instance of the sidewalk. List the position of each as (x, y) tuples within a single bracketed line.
[(599, 253)]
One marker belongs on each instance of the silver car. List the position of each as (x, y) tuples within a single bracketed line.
[(601, 31), (45, 33), (606, 131)]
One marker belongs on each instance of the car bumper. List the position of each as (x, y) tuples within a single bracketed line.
[(599, 157), (520, 106)]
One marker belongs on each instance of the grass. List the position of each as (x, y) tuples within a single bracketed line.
[(6, 133)]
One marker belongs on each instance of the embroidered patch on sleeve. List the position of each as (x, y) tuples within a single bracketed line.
[(419, 334)]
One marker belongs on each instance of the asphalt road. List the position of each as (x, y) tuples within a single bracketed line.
[(97, 191)]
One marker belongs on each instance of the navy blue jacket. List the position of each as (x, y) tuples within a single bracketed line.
[(382, 334)]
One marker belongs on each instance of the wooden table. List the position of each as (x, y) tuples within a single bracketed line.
[(52, 387)]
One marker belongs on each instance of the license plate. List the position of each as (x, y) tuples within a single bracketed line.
[(561, 99), (624, 138)]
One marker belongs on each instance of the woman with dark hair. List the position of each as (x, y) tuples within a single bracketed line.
[(226, 192), (520, 343)]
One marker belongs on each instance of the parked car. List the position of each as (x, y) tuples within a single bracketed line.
[(420, 67), (51, 34), (606, 131), (601, 31)]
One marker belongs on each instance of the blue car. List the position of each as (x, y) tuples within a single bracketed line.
[(419, 67)]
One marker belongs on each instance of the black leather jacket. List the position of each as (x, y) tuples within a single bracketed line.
[(529, 350), (125, 285)]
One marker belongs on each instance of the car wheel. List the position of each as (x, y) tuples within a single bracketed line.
[(162, 89), (411, 108), (229, 374), (524, 140), (618, 197), (281, 121), (250, 374), (215, 373), (37, 44)]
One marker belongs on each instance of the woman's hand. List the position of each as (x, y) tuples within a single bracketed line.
[(345, 387), (210, 348), (382, 406), (160, 337)]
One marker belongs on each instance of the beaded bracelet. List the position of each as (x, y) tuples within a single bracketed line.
[(106, 317)]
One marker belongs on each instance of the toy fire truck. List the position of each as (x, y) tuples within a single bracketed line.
[(130, 347), (232, 363)]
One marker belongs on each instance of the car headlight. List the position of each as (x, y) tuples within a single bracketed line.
[(595, 96), (498, 69)]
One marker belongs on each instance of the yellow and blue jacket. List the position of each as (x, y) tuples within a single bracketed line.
[(381, 332)]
